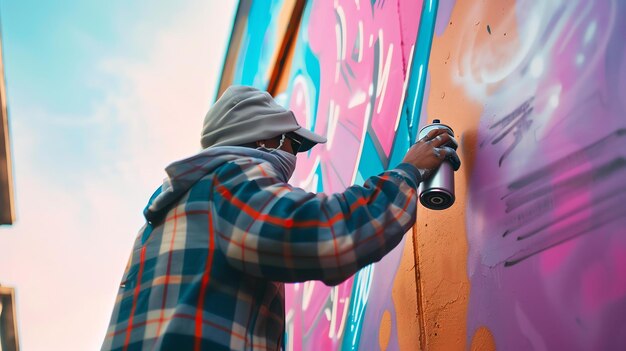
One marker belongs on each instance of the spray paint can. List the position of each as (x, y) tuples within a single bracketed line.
[(437, 192)]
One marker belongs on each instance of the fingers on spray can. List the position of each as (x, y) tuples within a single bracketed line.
[(437, 192)]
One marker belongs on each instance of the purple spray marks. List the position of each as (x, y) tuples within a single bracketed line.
[(546, 214)]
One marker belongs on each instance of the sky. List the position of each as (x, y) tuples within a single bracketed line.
[(101, 97)]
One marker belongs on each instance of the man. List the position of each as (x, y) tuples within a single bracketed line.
[(225, 232)]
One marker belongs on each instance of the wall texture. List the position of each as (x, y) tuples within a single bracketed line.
[(533, 254), (539, 253)]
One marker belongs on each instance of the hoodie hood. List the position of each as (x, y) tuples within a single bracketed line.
[(244, 115), (183, 174)]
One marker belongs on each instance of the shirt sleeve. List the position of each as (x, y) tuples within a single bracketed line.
[(269, 229)]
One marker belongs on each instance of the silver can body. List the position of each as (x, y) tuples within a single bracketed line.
[(437, 192)]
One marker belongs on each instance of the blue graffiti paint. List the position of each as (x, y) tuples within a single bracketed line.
[(306, 64), (260, 40), (358, 303), (417, 81)]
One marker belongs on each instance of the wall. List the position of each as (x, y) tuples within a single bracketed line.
[(9, 340), (533, 253), (261, 34), (7, 205), (534, 256)]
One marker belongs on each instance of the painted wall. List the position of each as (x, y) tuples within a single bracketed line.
[(261, 39), (533, 254)]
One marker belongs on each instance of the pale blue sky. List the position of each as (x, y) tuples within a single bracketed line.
[(102, 96)]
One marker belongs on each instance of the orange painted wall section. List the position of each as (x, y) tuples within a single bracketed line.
[(442, 235)]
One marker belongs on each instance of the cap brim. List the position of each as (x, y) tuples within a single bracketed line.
[(309, 139)]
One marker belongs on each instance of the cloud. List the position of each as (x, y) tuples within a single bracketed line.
[(66, 253)]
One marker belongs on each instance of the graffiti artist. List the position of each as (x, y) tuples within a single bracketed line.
[(225, 231)]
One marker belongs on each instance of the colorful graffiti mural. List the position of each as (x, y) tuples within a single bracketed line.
[(261, 32), (533, 254), (347, 81), (265, 29), (535, 88)]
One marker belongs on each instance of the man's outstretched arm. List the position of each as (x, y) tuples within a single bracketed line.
[(268, 229)]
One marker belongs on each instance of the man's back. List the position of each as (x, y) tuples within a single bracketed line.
[(179, 292)]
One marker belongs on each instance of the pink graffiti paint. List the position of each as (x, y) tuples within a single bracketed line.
[(604, 281), (361, 82), (363, 50)]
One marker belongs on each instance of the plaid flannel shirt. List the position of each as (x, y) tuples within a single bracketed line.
[(207, 271)]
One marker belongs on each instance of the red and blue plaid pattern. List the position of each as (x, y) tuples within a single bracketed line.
[(207, 272)]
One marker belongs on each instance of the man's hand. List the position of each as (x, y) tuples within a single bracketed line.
[(430, 151)]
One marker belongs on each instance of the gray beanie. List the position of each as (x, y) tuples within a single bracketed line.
[(245, 115)]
